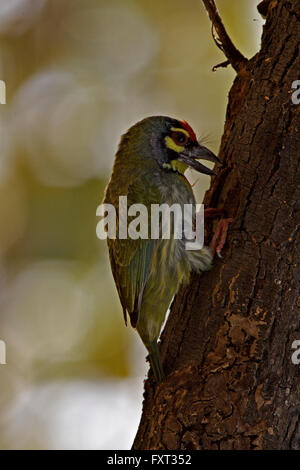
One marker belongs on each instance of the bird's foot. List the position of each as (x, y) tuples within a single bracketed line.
[(212, 212), (220, 235)]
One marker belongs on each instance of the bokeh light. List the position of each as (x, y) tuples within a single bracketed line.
[(78, 73)]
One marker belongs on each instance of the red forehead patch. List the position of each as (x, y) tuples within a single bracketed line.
[(188, 128)]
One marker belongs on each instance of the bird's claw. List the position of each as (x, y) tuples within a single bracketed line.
[(220, 235)]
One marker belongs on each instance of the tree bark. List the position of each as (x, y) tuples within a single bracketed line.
[(227, 344)]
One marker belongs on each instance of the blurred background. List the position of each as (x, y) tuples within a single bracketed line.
[(78, 73)]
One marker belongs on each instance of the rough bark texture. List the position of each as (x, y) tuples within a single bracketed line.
[(226, 347)]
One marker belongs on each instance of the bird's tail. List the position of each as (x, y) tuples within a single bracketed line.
[(156, 362)]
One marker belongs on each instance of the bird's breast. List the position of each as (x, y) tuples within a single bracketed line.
[(175, 188)]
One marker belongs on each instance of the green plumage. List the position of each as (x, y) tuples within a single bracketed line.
[(148, 273)]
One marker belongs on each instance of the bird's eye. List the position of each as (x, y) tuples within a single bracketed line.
[(180, 138)]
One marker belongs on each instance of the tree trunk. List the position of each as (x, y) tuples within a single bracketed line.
[(227, 345)]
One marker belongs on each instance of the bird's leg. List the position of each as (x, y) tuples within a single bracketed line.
[(212, 212), (219, 238)]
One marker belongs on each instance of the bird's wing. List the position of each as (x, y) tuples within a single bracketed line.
[(131, 259)]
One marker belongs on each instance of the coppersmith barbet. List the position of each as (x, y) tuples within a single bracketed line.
[(149, 169)]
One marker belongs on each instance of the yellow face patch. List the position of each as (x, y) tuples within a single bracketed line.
[(178, 129), (170, 142), (176, 165), (172, 145)]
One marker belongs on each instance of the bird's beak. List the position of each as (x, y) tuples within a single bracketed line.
[(198, 152)]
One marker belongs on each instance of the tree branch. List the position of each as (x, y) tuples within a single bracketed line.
[(222, 40)]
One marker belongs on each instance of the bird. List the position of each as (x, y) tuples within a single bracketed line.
[(149, 168)]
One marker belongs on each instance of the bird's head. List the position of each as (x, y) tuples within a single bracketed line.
[(172, 143)]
